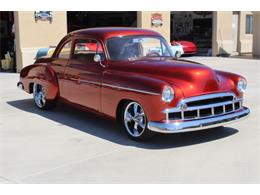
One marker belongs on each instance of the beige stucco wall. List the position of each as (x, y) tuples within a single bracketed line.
[(245, 41), (256, 34), (222, 33), (31, 35), (144, 21)]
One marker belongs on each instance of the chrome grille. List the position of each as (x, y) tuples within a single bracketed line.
[(205, 106)]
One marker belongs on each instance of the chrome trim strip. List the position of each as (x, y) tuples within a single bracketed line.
[(129, 89), (113, 86), (199, 124), (208, 96), (90, 82)]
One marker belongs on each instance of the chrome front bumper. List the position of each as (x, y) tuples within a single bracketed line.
[(198, 124)]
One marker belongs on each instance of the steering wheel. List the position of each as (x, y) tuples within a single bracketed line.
[(153, 54)]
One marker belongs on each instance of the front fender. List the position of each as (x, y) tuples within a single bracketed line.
[(229, 81), (118, 86)]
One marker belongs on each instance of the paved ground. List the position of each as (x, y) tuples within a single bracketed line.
[(69, 146)]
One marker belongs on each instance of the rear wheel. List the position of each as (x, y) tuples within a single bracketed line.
[(40, 100), (134, 121)]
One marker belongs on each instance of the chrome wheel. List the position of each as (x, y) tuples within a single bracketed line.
[(39, 96), (134, 119)]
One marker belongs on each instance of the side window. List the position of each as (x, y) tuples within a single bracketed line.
[(85, 50), (65, 51)]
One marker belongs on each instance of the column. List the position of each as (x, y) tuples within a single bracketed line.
[(30, 35), (222, 42)]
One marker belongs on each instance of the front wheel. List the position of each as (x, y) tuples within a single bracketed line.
[(134, 121), (40, 100)]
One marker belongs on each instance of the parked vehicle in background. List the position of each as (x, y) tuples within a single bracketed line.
[(189, 47), (177, 50), (45, 52), (131, 75), (43, 15)]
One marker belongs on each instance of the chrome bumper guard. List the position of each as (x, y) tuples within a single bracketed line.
[(198, 124)]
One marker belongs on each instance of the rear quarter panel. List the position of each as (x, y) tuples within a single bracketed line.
[(43, 75)]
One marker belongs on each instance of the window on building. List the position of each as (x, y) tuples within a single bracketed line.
[(65, 51), (249, 24)]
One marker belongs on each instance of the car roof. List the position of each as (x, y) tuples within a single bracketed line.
[(109, 32)]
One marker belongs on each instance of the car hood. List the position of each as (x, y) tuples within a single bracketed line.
[(191, 78)]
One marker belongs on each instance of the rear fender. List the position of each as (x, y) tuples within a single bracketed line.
[(43, 75)]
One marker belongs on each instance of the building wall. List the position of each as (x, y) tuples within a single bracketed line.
[(144, 21), (31, 35), (245, 41), (256, 36), (222, 33)]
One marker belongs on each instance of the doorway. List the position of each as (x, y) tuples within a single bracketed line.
[(89, 19), (7, 41), (194, 26)]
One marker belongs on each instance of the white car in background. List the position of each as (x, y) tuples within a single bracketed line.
[(177, 50)]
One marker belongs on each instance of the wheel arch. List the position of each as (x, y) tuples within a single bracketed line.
[(41, 74), (119, 107)]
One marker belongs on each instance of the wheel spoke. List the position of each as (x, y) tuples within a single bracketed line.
[(141, 125), (128, 117), (135, 109), (136, 125), (135, 132), (141, 114), (39, 95)]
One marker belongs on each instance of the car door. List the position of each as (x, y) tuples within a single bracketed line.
[(59, 63), (84, 75)]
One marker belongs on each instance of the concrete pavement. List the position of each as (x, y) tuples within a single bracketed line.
[(67, 145)]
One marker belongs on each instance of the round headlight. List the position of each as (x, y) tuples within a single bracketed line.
[(241, 85), (167, 94)]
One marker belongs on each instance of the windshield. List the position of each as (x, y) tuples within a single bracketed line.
[(137, 47)]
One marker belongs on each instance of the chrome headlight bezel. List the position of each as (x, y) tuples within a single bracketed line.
[(241, 85), (167, 94)]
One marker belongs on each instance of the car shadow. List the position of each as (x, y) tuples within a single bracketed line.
[(106, 129)]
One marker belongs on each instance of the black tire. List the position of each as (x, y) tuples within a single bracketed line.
[(39, 98), (144, 134)]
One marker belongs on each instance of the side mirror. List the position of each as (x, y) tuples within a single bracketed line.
[(98, 58)]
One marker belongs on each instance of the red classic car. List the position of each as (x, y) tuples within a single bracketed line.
[(145, 89), (188, 46)]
